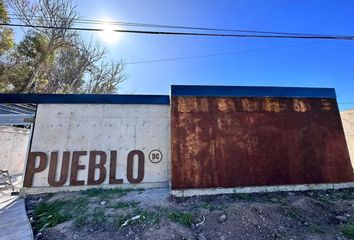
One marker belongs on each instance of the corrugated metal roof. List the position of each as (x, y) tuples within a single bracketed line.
[(16, 114)]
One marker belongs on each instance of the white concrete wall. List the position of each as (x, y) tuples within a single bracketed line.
[(105, 127), (348, 125), (13, 148)]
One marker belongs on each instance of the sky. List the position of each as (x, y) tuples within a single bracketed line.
[(251, 62)]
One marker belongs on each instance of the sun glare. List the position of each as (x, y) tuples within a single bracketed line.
[(108, 34)]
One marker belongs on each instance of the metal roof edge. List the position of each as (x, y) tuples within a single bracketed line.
[(85, 99), (250, 91)]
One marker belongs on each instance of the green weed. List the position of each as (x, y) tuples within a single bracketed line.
[(242, 196), (211, 207), (98, 217), (348, 231), (316, 228), (293, 214), (50, 214), (183, 218)]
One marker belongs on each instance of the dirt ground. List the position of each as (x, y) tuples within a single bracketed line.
[(153, 214)]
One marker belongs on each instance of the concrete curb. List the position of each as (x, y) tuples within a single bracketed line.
[(260, 189)]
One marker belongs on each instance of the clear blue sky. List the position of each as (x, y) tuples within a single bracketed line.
[(325, 64)]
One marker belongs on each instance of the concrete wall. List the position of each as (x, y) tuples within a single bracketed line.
[(102, 127), (13, 148), (348, 125)]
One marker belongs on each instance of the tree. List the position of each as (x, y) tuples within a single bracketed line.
[(105, 78), (17, 66), (58, 16), (55, 59), (6, 34), (72, 63)]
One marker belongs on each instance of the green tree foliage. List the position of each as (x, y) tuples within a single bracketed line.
[(55, 60), (16, 71), (6, 34)]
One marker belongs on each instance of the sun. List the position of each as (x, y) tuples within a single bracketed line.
[(108, 34)]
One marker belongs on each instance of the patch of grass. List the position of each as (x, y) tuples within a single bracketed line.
[(320, 196), (242, 196), (283, 201), (50, 214), (148, 217), (98, 217), (348, 231), (119, 220), (119, 205), (293, 214), (314, 228), (78, 204), (345, 194), (80, 220), (183, 218), (211, 207), (106, 194)]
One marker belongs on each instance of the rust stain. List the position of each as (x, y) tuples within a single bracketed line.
[(232, 141)]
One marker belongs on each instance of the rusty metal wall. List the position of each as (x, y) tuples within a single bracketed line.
[(256, 141)]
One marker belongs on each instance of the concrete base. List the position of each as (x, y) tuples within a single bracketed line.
[(260, 189), (38, 190)]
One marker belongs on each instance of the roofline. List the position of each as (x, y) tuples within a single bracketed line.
[(85, 99), (249, 91)]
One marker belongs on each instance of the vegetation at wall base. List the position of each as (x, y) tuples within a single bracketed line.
[(128, 213)]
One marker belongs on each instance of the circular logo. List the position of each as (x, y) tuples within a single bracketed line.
[(155, 156)]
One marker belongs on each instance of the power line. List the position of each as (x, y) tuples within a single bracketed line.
[(149, 25), (325, 37), (219, 54)]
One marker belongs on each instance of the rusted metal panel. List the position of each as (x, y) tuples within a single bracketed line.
[(256, 141)]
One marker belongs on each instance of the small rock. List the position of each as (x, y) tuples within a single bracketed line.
[(201, 236), (31, 220), (40, 200), (222, 218), (157, 227), (347, 214), (276, 235), (342, 218), (306, 224), (222, 237), (103, 203)]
